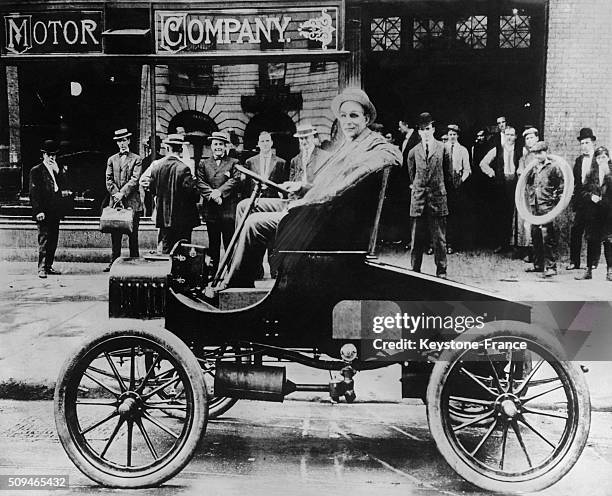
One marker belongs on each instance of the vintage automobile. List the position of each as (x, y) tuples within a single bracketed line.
[(131, 405)]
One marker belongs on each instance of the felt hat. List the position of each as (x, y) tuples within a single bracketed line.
[(50, 146), (304, 129), (586, 133), (424, 119), (354, 95), (121, 134), (540, 146), (219, 135), (175, 139), (530, 130)]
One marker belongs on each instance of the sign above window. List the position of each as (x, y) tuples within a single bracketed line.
[(60, 32), (305, 29)]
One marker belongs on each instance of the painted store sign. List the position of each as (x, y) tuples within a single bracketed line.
[(52, 32), (307, 29)]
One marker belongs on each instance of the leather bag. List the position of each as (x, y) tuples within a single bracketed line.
[(117, 219)]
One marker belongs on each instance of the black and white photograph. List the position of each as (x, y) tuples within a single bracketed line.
[(329, 247)]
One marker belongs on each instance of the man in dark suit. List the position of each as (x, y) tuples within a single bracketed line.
[(47, 196), (306, 164), (429, 169), (123, 170), (176, 194), (501, 164), (218, 184), (582, 166), (267, 165)]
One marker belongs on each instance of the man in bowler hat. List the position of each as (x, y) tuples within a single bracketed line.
[(47, 196), (429, 169), (217, 181), (123, 170), (582, 166)]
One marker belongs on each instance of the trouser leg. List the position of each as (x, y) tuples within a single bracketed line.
[(538, 248), (608, 253), (115, 245), (437, 229), (251, 246), (549, 238), (576, 233), (48, 233), (419, 241), (133, 237), (214, 241)]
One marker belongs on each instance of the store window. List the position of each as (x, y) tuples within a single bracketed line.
[(192, 79), (472, 31), (427, 32), (385, 33), (515, 31)]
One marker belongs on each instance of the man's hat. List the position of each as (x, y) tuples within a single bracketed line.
[(540, 146), (586, 133), (530, 130), (175, 139), (354, 95), (50, 146), (219, 135), (121, 134), (454, 127), (424, 119), (304, 129)]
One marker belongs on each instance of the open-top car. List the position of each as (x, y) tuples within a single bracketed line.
[(506, 409)]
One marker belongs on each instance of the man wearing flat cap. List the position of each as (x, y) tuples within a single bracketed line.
[(582, 166), (48, 195), (362, 153), (544, 188), (176, 194), (123, 170), (429, 169), (218, 185)]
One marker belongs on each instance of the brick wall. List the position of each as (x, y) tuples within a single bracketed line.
[(578, 73)]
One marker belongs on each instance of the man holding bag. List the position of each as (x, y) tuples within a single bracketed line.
[(123, 171)]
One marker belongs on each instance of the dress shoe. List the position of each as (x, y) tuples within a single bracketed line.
[(549, 273), (52, 272), (572, 266), (442, 276), (107, 268), (42, 274), (527, 259), (609, 274), (588, 274), (534, 269)]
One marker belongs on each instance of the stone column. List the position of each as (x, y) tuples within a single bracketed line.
[(14, 122)]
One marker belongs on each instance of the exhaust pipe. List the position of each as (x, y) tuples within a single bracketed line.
[(248, 382)]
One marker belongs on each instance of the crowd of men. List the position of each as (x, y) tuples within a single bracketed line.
[(429, 175)]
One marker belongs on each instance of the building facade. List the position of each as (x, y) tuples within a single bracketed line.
[(77, 70)]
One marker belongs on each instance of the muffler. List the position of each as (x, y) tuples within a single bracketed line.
[(249, 382)]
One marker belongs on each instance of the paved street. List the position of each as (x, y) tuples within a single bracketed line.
[(309, 447)]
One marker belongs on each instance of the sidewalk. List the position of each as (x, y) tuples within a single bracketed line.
[(43, 320)]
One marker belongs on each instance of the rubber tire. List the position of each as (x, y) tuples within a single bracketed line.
[(185, 358), (568, 189), (440, 372), (217, 409)]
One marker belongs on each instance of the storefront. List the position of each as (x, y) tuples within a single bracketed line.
[(77, 71)]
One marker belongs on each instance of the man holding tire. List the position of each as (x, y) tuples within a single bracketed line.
[(545, 184)]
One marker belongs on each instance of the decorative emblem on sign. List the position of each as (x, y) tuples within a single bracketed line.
[(318, 29)]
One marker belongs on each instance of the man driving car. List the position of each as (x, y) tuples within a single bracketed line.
[(362, 153)]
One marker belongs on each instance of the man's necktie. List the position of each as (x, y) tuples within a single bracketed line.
[(426, 151)]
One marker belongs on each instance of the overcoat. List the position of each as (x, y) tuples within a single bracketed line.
[(428, 177), (122, 175), (43, 196), (223, 177)]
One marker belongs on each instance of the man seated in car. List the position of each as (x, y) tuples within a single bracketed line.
[(362, 153)]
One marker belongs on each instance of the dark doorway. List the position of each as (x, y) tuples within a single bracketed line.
[(282, 128)]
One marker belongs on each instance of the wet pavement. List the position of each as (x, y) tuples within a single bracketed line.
[(301, 448)]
